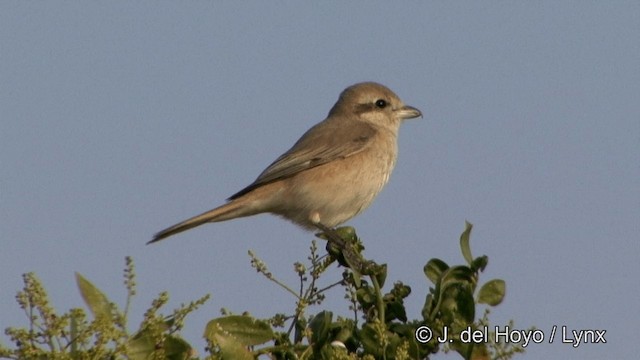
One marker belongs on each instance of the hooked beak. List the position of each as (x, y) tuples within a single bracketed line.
[(408, 112)]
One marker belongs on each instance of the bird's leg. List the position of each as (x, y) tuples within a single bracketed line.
[(332, 236)]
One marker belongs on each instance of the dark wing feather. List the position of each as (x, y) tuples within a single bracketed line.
[(321, 144)]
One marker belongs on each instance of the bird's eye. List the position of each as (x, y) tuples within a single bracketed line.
[(381, 103)]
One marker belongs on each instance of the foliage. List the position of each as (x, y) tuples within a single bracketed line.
[(378, 328), (72, 336)]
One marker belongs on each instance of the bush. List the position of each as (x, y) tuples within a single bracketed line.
[(378, 329)]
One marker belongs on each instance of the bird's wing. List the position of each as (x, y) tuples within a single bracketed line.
[(325, 142)]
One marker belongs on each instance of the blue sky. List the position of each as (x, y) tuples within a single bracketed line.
[(118, 119)]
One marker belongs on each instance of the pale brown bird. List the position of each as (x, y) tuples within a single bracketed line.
[(332, 173)]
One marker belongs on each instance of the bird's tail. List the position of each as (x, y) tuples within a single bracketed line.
[(227, 211)]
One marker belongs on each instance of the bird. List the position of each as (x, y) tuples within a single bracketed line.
[(332, 173)]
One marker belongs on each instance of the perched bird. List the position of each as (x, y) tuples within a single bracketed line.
[(332, 173)]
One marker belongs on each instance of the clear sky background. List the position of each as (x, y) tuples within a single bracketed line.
[(118, 119)]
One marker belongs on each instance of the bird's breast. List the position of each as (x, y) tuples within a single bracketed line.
[(341, 189)]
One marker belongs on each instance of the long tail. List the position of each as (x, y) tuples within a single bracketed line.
[(227, 211)]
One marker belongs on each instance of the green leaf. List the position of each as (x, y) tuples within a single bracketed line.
[(320, 326), (357, 278), (344, 330), (73, 330), (348, 233), (246, 330), (434, 269), (366, 296), (427, 307), (459, 273), (395, 310), (328, 352), (466, 306), (454, 293), (480, 263), (492, 292), (231, 348), (400, 290), (457, 304), (464, 242), (369, 339), (381, 274), (176, 348), (95, 299), (141, 346)]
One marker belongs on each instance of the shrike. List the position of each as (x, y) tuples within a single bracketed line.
[(332, 173)]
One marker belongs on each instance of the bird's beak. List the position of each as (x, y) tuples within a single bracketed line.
[(408, 112)]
